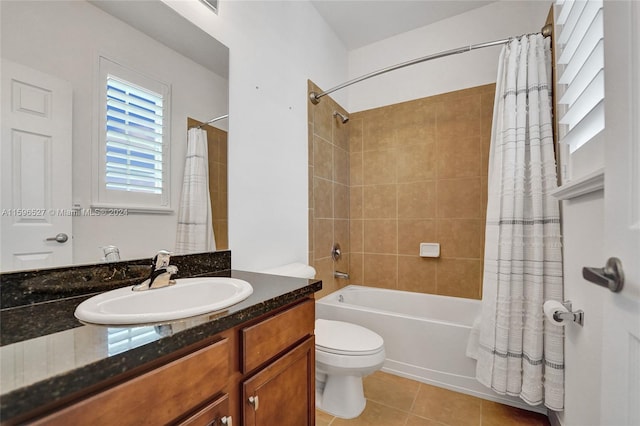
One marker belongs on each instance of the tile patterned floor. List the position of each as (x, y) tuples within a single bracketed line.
[(396, 401)]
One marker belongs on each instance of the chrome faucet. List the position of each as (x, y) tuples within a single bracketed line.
[(161, 273)]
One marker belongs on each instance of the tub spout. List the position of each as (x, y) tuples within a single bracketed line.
[(341, 275)]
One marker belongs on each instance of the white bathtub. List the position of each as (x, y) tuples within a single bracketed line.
[(425, 336)]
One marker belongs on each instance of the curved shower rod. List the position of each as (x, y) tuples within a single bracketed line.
[(213, 120), (315, 97)]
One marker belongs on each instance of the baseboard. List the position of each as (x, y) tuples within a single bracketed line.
[(554, 418)]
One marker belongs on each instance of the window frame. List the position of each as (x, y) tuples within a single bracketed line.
[(134, 202)]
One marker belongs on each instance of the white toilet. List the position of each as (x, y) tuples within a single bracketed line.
[(345, 353)]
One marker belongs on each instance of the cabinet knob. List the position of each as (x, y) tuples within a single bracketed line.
[(255, 402), (227, 421)]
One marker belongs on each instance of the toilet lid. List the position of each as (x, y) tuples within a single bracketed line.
[(343, 337)]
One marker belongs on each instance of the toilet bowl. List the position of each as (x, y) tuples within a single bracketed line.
[(345, 353)]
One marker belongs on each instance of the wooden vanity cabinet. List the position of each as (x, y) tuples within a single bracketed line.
[(258, 373), (281, 351)]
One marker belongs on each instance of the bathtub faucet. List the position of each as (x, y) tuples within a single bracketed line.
[(161, 273), (341, 275)]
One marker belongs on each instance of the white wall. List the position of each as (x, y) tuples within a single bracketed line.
[(64, 39), (495, 21), (275, 46)]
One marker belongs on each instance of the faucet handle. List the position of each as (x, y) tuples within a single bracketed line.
[(161, 259)]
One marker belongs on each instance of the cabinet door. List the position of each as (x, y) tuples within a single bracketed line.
[(283, 393), (214, 414), (263, 341)]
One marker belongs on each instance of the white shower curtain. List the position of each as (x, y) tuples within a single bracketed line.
[(520, 353), (195, 228)]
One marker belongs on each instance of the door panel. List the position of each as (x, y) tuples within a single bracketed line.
[(36, 168), (621, 314)]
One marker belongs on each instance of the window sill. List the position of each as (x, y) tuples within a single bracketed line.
[(576, 188), (134, 209)]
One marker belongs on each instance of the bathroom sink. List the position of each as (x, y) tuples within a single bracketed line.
[(187, 298)]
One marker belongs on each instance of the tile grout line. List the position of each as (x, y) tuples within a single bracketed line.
[(388, 406), (415, 398)]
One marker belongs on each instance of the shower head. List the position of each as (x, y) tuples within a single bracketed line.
[(343, 117)]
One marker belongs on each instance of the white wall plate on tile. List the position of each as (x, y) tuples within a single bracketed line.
[(429, 249)]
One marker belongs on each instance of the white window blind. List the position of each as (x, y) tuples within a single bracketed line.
[(134, 138), (132, 155), (580, 63)]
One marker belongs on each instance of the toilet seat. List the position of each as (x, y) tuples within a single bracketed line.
[(342, 338)]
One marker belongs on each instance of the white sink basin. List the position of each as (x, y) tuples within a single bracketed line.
[(187, 298)]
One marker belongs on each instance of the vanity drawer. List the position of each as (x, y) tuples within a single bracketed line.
[(157, 397), (266, 339), (214, 414)]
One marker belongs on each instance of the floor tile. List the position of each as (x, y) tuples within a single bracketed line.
[(419, 421), (397, 401), (445, 406), (390, 390), (494, 414), (323, 419), (375, 414)]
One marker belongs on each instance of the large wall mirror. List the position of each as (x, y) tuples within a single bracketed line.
[(52, 56)]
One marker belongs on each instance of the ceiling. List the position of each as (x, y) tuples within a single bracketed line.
[(361, 22), (160, 22)]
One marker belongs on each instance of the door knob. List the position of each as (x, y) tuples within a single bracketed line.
[(60, 238), (611, 276)]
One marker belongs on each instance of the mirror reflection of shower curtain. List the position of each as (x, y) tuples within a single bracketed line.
[(195, 227)]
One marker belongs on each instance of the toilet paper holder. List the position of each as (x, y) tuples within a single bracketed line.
[(575, 316)]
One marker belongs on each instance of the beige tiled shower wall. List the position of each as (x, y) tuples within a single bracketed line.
[(418, 173), (328, 190), (217, 146)]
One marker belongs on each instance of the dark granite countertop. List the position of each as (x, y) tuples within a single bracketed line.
[(48, 355)]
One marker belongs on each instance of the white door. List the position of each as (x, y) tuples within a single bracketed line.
[(35, 155), (621, 311)]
